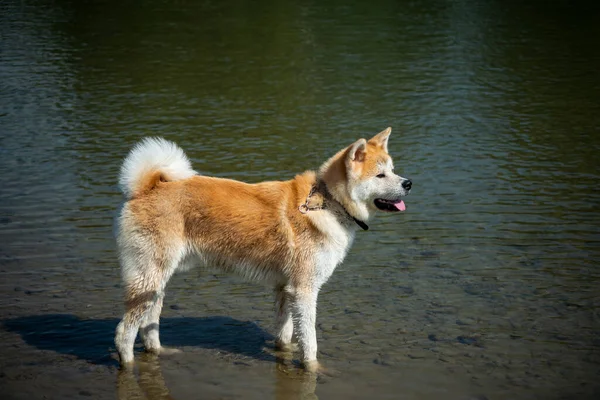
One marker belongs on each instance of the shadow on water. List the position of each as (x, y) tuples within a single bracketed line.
[(92, 339)]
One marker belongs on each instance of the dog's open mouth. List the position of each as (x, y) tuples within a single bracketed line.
[(390, 205)]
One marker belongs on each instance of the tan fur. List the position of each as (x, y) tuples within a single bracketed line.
[(256, 230)]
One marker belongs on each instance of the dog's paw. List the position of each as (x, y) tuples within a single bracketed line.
[(126, 365), (315, 367)]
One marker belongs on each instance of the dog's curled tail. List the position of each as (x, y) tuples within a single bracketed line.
[(150, 161)]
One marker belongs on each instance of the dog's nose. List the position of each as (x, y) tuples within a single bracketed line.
[(407, 184)]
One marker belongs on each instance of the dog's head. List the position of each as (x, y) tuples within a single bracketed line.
[(361, 177)]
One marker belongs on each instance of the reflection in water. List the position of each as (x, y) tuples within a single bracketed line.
[(292, 382), (149, 383)]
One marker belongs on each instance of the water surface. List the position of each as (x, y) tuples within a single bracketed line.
[(487, 287)]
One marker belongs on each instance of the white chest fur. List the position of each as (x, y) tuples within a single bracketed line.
[(333, 250)]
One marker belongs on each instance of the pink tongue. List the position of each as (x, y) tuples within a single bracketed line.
[(400, 205)]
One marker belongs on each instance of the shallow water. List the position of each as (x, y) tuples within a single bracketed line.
[(485, 288)]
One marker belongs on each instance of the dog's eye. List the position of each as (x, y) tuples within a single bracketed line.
[(381, 176)]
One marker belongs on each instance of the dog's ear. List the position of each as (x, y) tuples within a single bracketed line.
[(357, 153), (381, 139)]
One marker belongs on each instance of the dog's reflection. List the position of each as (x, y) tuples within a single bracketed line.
[(150, 385), (291, 382)]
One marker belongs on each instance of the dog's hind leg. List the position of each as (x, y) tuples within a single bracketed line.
[(137, 305), (283, 318), (144, 292), (149, 328), (149, 325)]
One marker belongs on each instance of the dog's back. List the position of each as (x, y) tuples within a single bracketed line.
[(175, 215)]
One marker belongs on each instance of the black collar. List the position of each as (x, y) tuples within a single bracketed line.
[(360, 223), (321, 187)]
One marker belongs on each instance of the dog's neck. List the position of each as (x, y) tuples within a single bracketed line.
[(327, 201)]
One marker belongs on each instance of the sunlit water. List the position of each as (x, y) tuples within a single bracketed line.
[(486, 287)]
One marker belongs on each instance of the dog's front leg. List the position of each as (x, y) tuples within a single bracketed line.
[(304, 311)]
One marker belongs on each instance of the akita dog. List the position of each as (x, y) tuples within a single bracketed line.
[(290, 234)]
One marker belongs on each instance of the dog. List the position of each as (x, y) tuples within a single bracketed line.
[(290, 234)]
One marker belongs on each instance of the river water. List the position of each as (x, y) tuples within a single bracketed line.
[(487, 287)]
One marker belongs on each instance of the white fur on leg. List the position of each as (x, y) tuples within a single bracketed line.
[(149, 329), (283, 320), (304, 309), (285, 331), (124, 340)]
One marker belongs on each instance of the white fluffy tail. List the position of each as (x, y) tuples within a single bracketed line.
[(151, 160)]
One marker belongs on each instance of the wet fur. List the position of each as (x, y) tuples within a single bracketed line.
[(175, 219)]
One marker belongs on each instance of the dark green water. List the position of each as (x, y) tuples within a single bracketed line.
[(488, 287)]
